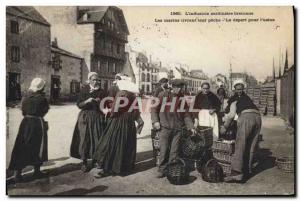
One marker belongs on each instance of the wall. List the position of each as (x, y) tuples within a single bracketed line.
[(61, 18), (287, 98), (71, 70), (35, 52)]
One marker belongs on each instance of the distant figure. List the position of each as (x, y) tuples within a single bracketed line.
[(91, 123), (209, 105), (31, 143)]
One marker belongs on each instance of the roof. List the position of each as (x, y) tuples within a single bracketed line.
[(238, 75), (96, 13), (27, 12), (64, 52)]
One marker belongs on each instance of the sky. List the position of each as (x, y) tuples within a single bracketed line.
[(249, 46)]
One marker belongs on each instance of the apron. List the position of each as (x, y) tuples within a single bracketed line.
[(206, 119)]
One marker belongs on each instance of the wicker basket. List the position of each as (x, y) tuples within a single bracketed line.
[(222, 156), (224, 146), (177, 172), (192, 147), (206, 134), (226, 168), (286, 164)]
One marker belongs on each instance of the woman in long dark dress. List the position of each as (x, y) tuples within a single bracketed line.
[(209, 105), (91, 121), (116, 151), (31, 143)]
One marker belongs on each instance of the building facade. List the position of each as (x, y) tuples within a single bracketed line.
[(110, 36), (66, 74), (194, 78), (99, 35), (146, 72), (28, 51)]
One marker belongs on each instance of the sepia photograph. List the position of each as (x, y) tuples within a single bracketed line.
[(150, 100)]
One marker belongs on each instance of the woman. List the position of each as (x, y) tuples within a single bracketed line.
[(31, 143), (209, 105), (91, 121), (116, 151)]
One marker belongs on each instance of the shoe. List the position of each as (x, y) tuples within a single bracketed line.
[(160, 175), (101, 174), (18, 179), (236, 177), (84, 168), (39, 174)]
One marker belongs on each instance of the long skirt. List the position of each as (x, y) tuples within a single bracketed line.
[(210, 120), (116, 151), (31, 144), (88, 130)]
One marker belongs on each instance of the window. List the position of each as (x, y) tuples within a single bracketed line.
[(107, 65), (148, 88), (74, 87), (118, 49), (15, 54), (103, 42), (114, 67), (143, 88), (99, 65), (14, 27), (56, 62), (143, 77), (112, 47), (148, 77), (112, 26)]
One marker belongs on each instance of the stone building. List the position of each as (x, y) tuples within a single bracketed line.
[(66, 74), (146, 72), (194, 78), (110, 37), (28, 51), (99, 35)]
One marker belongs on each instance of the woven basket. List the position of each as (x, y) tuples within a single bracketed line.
[(191, 147), (226, 168), (222, 156), (206, 134), (207, 155), (223, 146), (286, 164), (177, 172)]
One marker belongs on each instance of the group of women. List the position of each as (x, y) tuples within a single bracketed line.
[(107, 137)]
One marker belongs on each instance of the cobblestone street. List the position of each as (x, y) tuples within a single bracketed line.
[(65, 177)]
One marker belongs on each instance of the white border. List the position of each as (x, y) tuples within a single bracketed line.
[(106, 2)]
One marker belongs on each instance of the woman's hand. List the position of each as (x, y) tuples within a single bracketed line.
[(212, 111), (196, 123)]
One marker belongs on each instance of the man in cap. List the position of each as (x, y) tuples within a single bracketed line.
[(248, 129), (169, 118)]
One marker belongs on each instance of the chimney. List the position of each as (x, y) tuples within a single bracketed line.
[(150, 58), (160, 64), (54, 43)]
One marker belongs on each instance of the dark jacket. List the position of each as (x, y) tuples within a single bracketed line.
[(207, 101), (171, 119)]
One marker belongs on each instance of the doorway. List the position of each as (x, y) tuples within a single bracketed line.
[(55, 88), (14, 87)]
